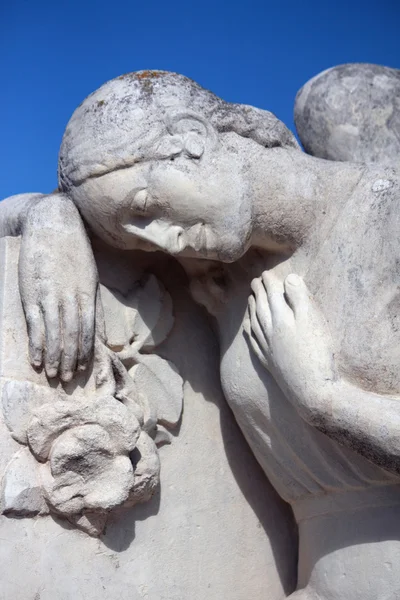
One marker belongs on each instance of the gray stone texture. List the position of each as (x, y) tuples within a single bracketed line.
[(170, 198), (214, 527), (351, 112)]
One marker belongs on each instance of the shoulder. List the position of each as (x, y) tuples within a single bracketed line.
[(379, 185), (13, 210), (375, 207)]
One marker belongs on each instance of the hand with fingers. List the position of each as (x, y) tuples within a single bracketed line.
[(290, 337), (58, 283)]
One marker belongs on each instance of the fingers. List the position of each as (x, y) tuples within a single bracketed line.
[(87, 331), (257, 351), (51, 315), (261, 334), (35, 326), (100, 325), (70, 341), (297, 295), (253, 342), (279, 308), (262, 305), (64, 332)]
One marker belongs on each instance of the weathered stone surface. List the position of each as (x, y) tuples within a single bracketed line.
[(351, 112), (21, 488), (180, 542), (85, 431), (296, 260)]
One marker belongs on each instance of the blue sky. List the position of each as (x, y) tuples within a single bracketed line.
[(54, 53)]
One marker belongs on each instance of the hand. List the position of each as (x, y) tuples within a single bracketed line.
[(289, 335), (58, 282)]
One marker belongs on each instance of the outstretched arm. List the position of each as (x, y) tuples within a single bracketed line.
[(57, 279), (291, 339)]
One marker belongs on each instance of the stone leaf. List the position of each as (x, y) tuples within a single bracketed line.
[(146, 463), (118, 324), (162, 436), (153, 318), (143, 316), (20, 399), (51, 420), (91, 523), (21, 487), (159, 380)]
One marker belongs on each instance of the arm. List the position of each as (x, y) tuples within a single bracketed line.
[(57, 279), (13, 211), (291, 339)]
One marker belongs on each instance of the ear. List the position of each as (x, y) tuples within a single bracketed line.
[(194, 131)]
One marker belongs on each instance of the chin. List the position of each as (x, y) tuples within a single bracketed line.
[(214, 254), (232, 253)]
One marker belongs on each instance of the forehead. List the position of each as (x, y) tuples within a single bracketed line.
[(115, 186), (119, 122)]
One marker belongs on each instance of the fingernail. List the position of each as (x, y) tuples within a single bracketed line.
[(293, 279), (51, 372), (66, 377), (82, 367)]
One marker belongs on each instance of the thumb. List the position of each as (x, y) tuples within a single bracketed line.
[(297, 294)]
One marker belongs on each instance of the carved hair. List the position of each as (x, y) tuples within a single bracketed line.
[(125, 120)]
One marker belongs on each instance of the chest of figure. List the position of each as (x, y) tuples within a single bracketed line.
[(294, 455), (355, 278)]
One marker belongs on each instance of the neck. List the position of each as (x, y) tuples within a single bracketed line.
[(293, 194)]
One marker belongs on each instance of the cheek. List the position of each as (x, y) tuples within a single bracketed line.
[(181, 194), (232, 232), (189, 196), (99, 212)]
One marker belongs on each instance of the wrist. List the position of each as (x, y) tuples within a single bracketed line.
[(55, 212)]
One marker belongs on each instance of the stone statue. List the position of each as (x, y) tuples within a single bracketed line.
[(296, 261)]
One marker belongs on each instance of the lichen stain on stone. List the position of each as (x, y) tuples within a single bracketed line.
[(141, 75), (148, 74)]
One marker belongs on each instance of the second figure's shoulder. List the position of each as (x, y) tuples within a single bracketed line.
[(372, 214), (381, 184)]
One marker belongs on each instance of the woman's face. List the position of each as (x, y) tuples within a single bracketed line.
[(183, 206)]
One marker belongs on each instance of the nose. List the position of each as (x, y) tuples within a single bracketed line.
[(167, 237)]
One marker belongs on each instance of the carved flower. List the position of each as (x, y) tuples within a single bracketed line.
[(87, 472), (98, 451), (87, 445), (135, 325)]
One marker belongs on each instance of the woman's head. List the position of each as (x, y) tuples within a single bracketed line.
[(152, 156)]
